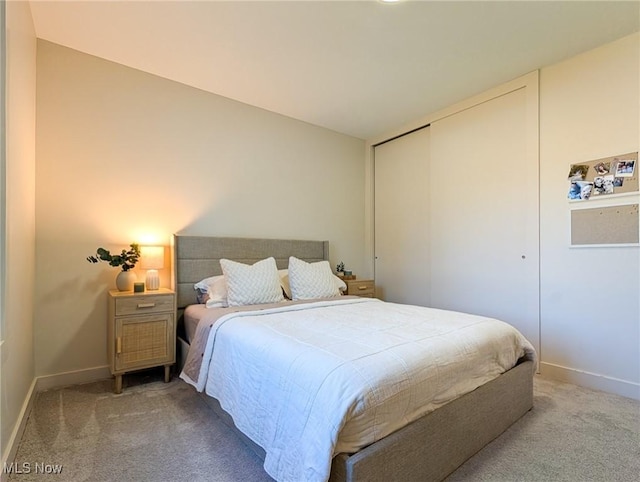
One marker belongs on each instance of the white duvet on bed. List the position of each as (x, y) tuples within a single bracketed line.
[(306, 382)]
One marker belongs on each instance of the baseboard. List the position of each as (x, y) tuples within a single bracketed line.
[(623, 388), (11, 449), (76, 377)]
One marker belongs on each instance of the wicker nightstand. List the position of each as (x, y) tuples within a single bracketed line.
[(141, 332), (361, 287)]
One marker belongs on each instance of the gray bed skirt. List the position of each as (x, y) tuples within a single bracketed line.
[(435, 445)]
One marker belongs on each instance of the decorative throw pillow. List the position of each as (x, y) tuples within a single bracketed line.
[(284, 282), (310, 281), (252, 284)]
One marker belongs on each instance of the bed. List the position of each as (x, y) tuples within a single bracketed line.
[(429, 447)]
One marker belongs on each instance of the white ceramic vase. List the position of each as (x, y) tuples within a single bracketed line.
[(125, 280)]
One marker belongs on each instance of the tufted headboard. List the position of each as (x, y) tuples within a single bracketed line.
[(198, 257)]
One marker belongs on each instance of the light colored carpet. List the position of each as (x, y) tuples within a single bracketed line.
[(155, 431), (151, 432)]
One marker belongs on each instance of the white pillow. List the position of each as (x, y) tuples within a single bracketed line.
[(205, 283), (217, 292), (203, 290), (252, 284), (342, 286), (309, 281), (284, 282)]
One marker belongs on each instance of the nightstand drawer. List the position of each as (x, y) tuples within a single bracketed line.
[(361, 288), (143, 304)]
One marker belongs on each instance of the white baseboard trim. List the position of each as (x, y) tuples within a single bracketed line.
[(595, 381), (76, 377), (9, 454)]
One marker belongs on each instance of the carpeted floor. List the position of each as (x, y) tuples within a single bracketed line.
[(165, 432)]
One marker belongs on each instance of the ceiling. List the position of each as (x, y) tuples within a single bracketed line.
[(361, 68)]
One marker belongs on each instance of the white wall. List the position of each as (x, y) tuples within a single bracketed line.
[(590, 297), (17, 371), (126, 156)]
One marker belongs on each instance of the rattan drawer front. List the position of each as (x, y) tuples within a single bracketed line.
[(361, 288), (144, 304), (144, 341)]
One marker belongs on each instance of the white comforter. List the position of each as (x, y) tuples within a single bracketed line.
[(306, 382)]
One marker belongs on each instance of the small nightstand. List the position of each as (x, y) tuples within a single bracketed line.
[(141, 332), (361, 287)]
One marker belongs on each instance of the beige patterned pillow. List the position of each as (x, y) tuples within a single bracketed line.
[(252, 284), (310, 281)]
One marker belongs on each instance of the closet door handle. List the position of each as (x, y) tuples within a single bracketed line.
[(118, 345)]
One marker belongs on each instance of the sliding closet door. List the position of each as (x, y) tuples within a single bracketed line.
[(484, 227), (402, 219)]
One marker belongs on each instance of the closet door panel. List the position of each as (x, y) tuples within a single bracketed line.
[(483, 251), (402, 219)]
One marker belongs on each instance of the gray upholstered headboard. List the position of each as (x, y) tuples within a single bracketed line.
[(198, 257)]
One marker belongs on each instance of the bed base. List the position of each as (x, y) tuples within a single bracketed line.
[(434, 446)]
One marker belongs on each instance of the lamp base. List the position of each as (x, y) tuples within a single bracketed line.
[(152, 281)]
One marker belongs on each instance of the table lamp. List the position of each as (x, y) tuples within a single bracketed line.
[(152, 259)]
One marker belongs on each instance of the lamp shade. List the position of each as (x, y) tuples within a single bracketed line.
[(152, 259)]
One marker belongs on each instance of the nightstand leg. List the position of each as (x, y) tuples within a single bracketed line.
[(167, 373), (118, 388)]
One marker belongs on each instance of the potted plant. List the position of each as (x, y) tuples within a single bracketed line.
[(126, 261), (343, 272)]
